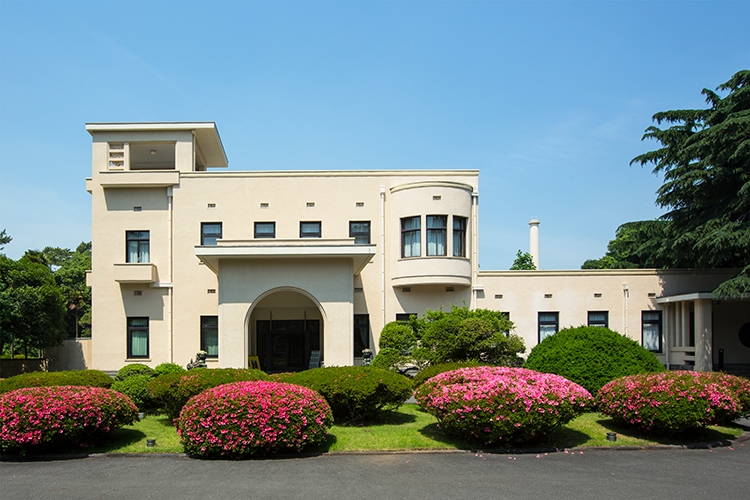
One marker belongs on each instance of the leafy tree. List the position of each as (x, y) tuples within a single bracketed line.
[(705, 159), (32, 308), (523, 262), (71, 278), (4, 239), (636, 245)]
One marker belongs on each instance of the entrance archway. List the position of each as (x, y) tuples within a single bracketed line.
[(285, 327)]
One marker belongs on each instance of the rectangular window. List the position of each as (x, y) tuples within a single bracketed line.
[(309, 229), (404, 316), (361, 333), (210, 232), (137, 338), (599, 318), (360, 231), (265, 230), (548, 324), (437, 234), (210, 335), (411, 236), (137, 247), (651, 330), (459, 236)]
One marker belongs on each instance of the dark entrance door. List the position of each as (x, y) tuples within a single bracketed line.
[(285, 345)]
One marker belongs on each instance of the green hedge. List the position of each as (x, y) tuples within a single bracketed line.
[(170, 392), (136, 388), (356, 392), (166, 368), (87, 378), (132, 370), (591, 356)]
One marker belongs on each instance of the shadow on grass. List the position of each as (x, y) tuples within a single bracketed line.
[(116, 439), (699, 435), (393, 417)]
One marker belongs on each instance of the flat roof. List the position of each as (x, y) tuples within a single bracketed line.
[(206, 134)]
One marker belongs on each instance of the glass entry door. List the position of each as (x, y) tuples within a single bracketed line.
[(285, 345)]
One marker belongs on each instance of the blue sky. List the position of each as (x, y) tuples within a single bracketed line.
[(549, 100)]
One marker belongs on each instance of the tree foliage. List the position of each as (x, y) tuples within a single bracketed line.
[(32, 308), (524, 262), (705, 160), (458, 335)]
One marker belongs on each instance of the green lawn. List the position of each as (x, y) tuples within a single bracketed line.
[(410, 428)]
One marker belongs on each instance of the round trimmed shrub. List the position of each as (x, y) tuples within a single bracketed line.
[(166, 368), (388, 358), (674, 402), (87, 378), (356, 392), (132, 370), (493, 405), (433, 370), (136, 388), (591, 356), (170, 392), (243, 419), (60, 417)]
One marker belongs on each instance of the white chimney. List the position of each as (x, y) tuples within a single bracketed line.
[(534, 241)]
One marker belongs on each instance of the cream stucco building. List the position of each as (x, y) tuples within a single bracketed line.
[(287, 265)]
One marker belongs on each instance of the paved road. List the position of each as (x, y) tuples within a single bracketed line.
[(721, 473)]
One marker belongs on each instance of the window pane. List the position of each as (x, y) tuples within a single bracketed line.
[(309, 229), (210, 232), (459, 236), (546, 331), (138, 344), (411, 237), (436, 234), (361, 333), (651, 337), (360, 231), (265, 229), (138, 322)]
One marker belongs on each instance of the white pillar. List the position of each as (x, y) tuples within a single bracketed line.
[(703, 334), (534, 241)]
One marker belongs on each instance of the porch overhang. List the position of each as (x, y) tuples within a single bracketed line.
[(360, 255), (686, 297)]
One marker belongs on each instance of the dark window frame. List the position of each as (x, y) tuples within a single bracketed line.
[(459, 236), (138, 328), (589, 321), (138, 238), (547, 322), (361, 339), (310, 234), (213, 236), (416, 235), (360, 234), (404, 317), (659, 322), (205, 326), (437, 232), (270, 235)]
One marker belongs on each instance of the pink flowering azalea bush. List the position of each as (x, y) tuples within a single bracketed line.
[(494, 405), (243, 419), (673, 402), (61, 417)]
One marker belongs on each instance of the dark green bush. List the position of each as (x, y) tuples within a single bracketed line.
[(433, 370), (136, 388), (170, 392), (387, 358), (165, 368), (356, 392), (87, 378), (134, 369), (399, 336), (591, 356)]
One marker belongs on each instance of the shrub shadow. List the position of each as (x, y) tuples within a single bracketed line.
[(700, 435), (390, 417)]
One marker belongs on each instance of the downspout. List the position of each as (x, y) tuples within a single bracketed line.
[(626, 295), (382, 257), (474, 248), (170, 297)]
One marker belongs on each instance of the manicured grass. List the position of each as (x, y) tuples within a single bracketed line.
[(410, 428)]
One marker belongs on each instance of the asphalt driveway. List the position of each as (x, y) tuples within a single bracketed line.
[(722, 473)]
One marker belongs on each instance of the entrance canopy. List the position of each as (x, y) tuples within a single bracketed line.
[(317, 248)]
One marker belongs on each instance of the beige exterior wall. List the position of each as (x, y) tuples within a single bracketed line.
[(159, 178)]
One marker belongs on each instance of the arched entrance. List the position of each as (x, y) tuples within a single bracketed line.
[(285, 327)]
